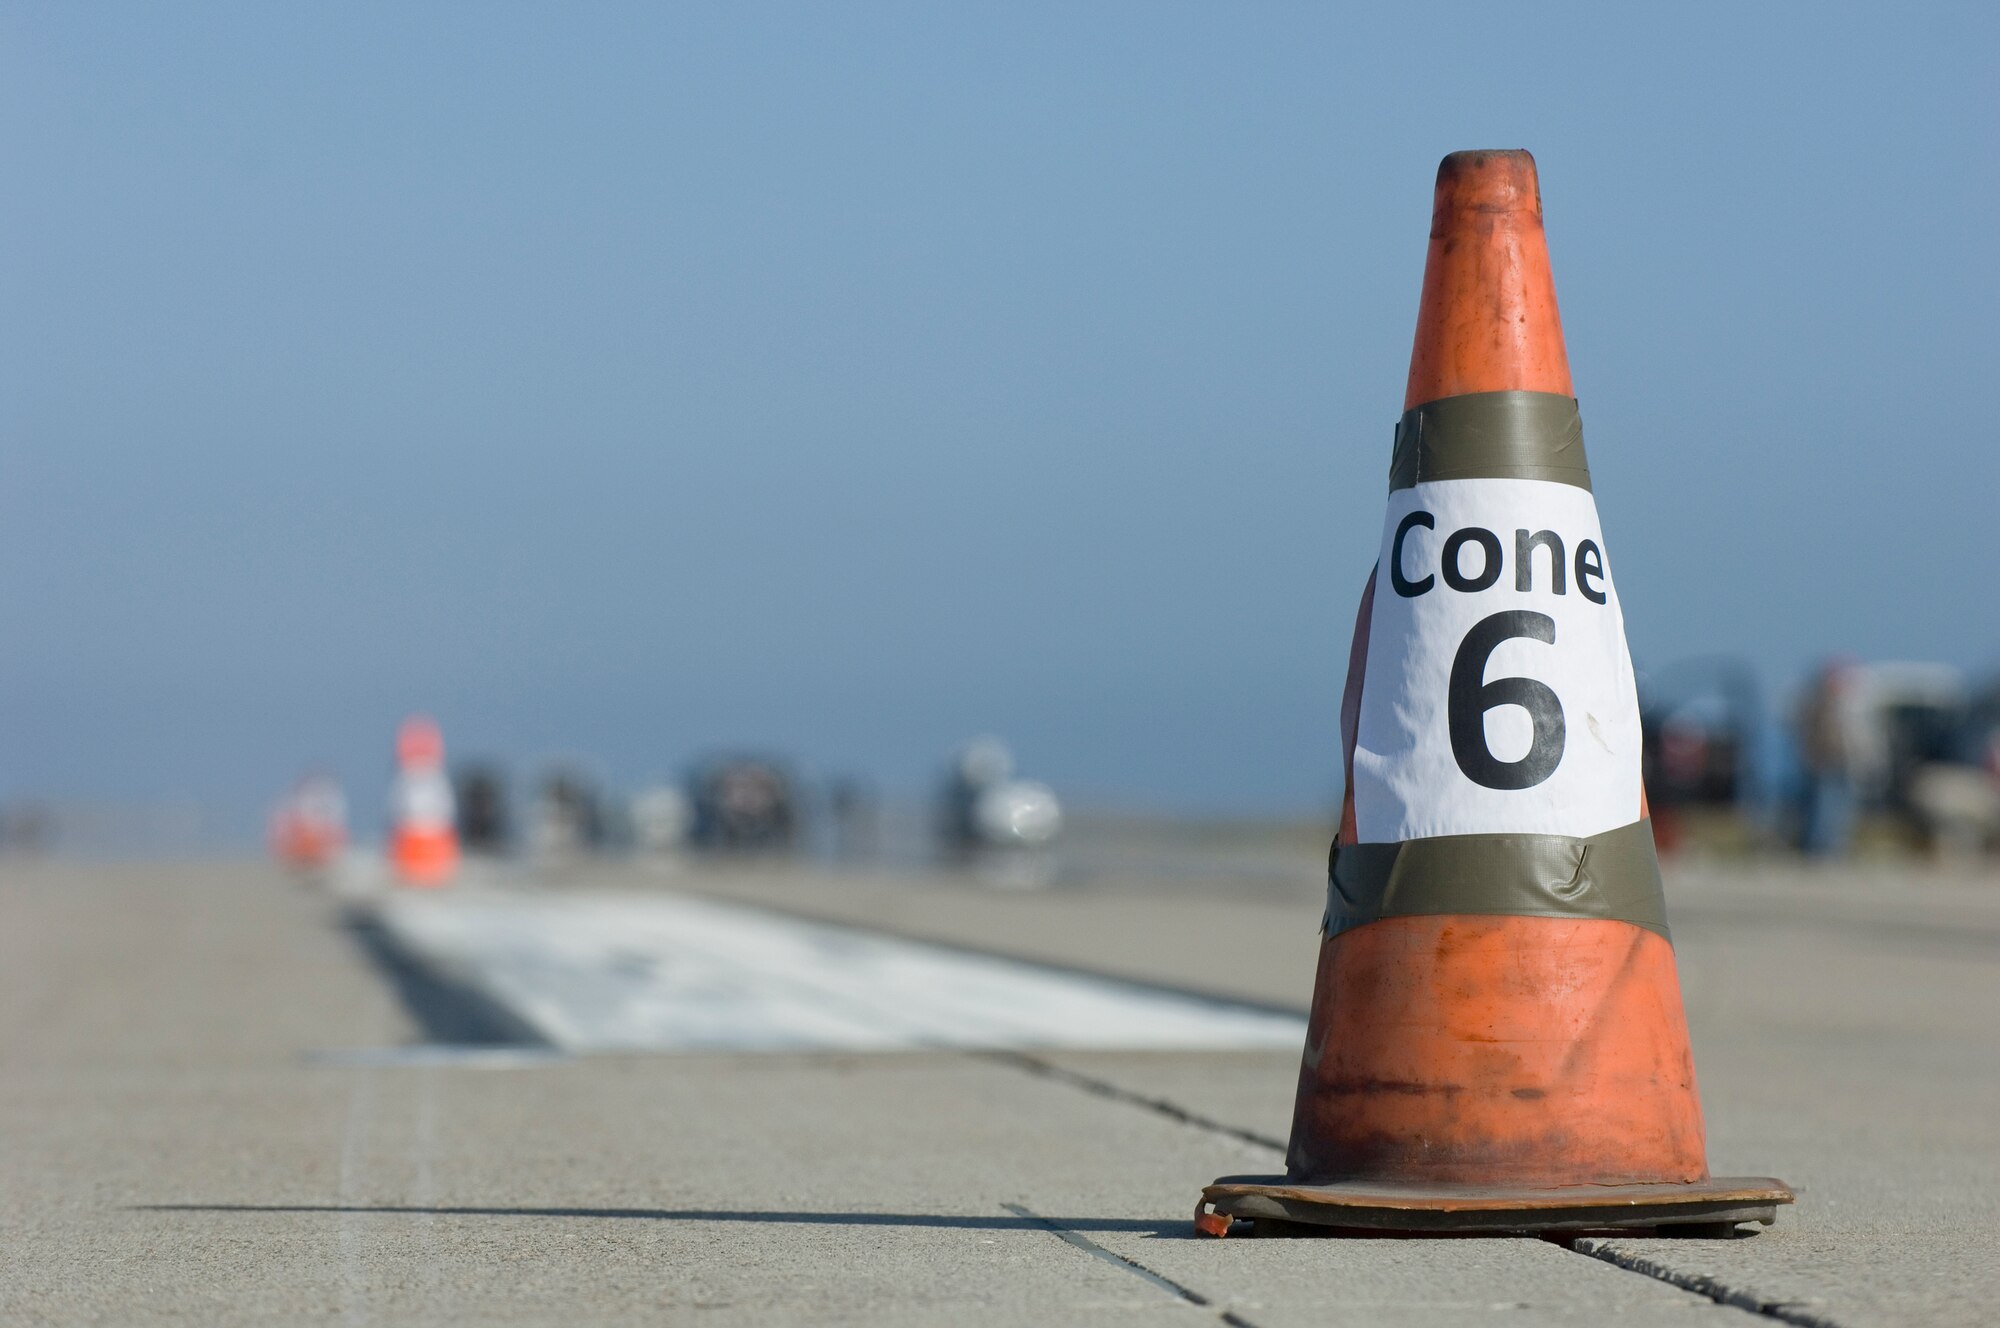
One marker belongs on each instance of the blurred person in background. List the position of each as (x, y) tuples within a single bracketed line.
[(1831, 745)]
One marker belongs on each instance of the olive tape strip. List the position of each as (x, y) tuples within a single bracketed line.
[(1491, 435), (1612, 875)]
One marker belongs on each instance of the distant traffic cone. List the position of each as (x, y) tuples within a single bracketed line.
[(1496, 1041), (309, 828), (423, 831)]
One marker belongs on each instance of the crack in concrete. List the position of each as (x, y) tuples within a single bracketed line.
[(1779, 1310), (1132, 1266), (1784, 1311), (1104, 1088)]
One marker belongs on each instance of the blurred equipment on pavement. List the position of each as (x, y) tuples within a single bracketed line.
[(1019, 813), (1943, 760), (569, 816), (983, 807), (744, 804), (482, 808), (662, 816), (1898, 753)]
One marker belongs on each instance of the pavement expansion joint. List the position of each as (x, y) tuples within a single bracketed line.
[(1780, 1310), (1124, 1264), (1104, 1088)]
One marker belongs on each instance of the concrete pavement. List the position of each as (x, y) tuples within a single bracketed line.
[(202, 1125)]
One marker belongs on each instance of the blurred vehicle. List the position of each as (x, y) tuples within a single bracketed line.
[(1908, 716), (1954, 798), (744, 803), (662, 816), (308, 829), (482, 809), (983, 806), (1699, 720), (1923, 755)]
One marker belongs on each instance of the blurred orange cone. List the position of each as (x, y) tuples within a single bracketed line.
[(423, 831), (1496, 1040), (309, 828)]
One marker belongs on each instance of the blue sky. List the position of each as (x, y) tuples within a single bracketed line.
[(628, 381)]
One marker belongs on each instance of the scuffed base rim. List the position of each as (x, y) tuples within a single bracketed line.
[(1717, 1203)]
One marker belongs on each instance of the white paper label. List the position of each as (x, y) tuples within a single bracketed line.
[(1498, 696)]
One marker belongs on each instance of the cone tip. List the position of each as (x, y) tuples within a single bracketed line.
[(1487, 321), (419, 742), (1489, 180)]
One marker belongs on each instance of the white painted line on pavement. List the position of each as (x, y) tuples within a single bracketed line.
[(671, 973)]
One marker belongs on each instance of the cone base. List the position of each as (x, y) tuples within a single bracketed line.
[(1271, 1202)]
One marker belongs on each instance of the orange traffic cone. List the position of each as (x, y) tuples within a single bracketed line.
[(309, 828), (1496, 1040), (423, 831)]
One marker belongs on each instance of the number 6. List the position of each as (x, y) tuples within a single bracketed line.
[(1471, 697)]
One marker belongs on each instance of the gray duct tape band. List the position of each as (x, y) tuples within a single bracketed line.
[(1611, 875), (1491, 435)]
